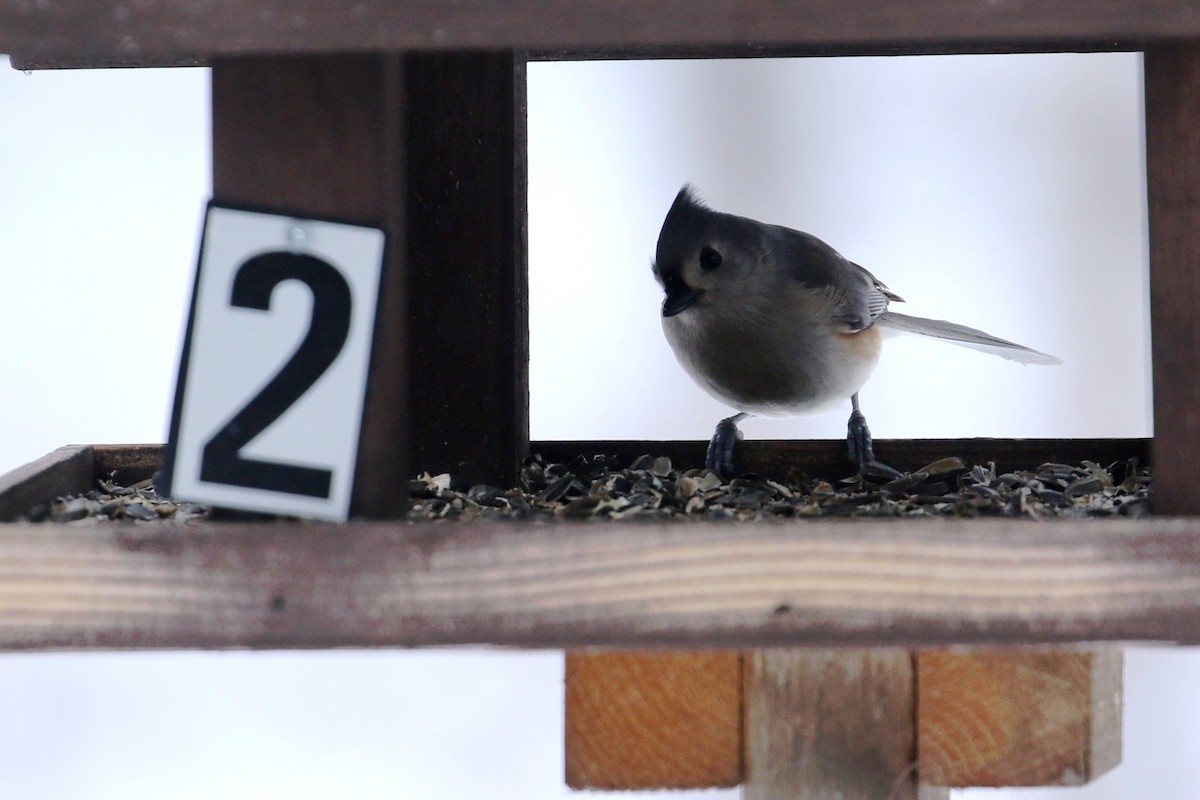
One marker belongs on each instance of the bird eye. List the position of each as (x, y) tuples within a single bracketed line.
[(710, 259)]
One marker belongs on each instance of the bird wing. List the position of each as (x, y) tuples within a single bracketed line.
[(858, 296)]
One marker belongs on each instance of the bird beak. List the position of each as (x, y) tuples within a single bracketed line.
[(679, 299)]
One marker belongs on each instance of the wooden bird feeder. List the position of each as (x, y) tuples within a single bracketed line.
[(786, 660)]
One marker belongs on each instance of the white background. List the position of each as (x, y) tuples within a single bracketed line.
[(1006, 193)]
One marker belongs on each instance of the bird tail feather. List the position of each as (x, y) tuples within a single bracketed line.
[(965, 337)]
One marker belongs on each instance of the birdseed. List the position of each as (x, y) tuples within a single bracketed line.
[(598, 487), (652, 488)]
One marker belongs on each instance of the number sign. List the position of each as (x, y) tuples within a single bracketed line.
[(268, 402)]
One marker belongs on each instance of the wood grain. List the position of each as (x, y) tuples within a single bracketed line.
[(823, 723), (716, 585), (1172, 74), (67, 470), (820, 722), (1018, 718), (639, 720), (77, 28)]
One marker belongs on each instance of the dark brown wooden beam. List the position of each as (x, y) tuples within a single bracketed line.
[(430, 147), (679, 51), (774, 459), (467, 265), (1173, 182), (86, 28), (777, 458), (125, 464), (325, 136)]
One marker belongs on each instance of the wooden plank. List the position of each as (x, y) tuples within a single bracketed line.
[(824, 723), (126, 464), (67, 470), (773, 458), (739, 49), (639, 720), (75, 28), (778, 458), (1172, 74), (717, 585), (324, 136), (830, 49), (103, 62), (1018, 718), (467, 264), (820, 722)]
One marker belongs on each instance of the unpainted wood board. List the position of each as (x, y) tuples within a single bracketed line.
[(715, 585), (652, 720), (821, 722), (1009, 718)]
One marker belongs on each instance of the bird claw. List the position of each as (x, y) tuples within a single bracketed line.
[(862, 450), (878, 471), (858, 438), (720, 449)]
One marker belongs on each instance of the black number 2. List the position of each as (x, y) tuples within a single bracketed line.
[(255, 281)]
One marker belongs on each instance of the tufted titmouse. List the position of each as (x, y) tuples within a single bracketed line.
[(773, 321)]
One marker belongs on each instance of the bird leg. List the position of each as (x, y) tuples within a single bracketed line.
[(858, 438), (720, 449)]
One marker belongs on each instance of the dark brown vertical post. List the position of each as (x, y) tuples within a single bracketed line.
[(468, 368), (324, 135), (431, 147), (1173, 182)]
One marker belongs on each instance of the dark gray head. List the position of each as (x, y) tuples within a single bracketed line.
[(701, 251)]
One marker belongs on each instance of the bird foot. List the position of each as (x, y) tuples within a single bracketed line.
[(862, 450), (720, 449)]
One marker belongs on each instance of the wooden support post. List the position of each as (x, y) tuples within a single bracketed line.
[(858, 724), (323, 135), (430, 147), (1018, 718), (645, 720), (826, 723), (467, 264), (1172, 74)]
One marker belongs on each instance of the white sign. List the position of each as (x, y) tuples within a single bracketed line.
[(269, 398)]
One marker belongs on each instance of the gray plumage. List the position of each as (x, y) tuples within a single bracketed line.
[(774, 321)]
